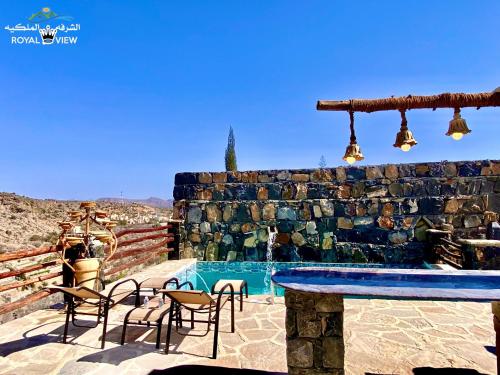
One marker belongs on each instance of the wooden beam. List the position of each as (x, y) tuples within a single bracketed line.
[(36, 279), (27, 253), (446, 100), (8, 307), (141, 230)]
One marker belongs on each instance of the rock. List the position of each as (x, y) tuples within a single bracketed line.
[(374, 173), (286, 213), (284, 176), (422, 170), (219, 177), (472, 221), (194, 215), (227, 214), (231, 256), (391, 172), (235, 228), (287, 192), (204, 195), (242, 214), (344, 223), (333, 353), (321, 175), (469, 169), (387, 209), (490, 216), (205, 227), (385, 222), (227, 239), (406, 170), (354, 173), (249, 177), (300, 177), (363, 221), (298, 239), (450, 169), (431, 206), (327, 243), (251, 241), (407, 222), (299, 353), (262, 235), (451, 206), (269, 212), (204, 178), (361, 209), (194, 237), (326, 207), (398, 237), (344, 192), (283, 238), (233, 176), (248, 227), (340, 173), (213, 213), (376, 191), (373, 208), (396, 190), (305, 212), (264, 178), (212, 251), (311, 227), (255, 211), (301, 192), (262, 193), (358, 189), (317, 211)]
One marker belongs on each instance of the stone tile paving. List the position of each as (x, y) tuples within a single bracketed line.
[(386, 337)]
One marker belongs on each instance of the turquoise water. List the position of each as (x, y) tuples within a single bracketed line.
[(258, 274)]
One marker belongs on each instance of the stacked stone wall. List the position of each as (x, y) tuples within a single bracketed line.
[(344, 214)]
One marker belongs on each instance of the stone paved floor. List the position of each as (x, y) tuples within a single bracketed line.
[(382, 337)]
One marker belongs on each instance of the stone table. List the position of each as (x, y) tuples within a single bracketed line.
[(314, 302)]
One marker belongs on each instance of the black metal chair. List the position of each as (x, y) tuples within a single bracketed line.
[(198, 302), (90, 302)]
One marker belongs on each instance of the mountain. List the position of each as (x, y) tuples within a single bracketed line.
[(26, 222), (151, 202)]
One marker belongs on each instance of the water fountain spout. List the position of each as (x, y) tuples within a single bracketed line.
[(272, 233)]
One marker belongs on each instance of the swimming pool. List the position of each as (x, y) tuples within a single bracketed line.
[(258, 274)]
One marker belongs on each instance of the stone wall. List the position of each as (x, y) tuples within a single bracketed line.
[(314, 333), (344, 214)]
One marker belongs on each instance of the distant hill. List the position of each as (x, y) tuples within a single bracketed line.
[(151, 202)]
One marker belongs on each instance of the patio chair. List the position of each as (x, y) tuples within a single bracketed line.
[(90, 302), (199, 302), (155, 311)]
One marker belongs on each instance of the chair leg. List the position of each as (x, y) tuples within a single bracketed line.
[(232, 315), (216, 334), (192, 319), (124, 332), (68, 313), (169, 327), (246, 289), (104, 326), (158, 333), (241, 299)]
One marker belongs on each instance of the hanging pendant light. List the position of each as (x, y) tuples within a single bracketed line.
[(353, 151), (458, 127), (404, 138)]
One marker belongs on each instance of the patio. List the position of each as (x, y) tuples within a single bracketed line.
[(381, 337)]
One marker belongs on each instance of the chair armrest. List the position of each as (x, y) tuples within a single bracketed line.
[(212, 289), (174, 280), (221, 293), (186, 283), (137, 290)]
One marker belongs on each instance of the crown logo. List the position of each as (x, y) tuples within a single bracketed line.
[(47, 35)]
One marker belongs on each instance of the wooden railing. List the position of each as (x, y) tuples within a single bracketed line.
[(158, 237)]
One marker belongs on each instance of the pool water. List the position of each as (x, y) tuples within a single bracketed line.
[(258, 274)]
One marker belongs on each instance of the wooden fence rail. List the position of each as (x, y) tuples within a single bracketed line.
[(150, 251)]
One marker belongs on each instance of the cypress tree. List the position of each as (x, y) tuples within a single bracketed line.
[(230, 157)]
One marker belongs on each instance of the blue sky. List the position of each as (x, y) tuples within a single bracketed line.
[(151, 88)]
